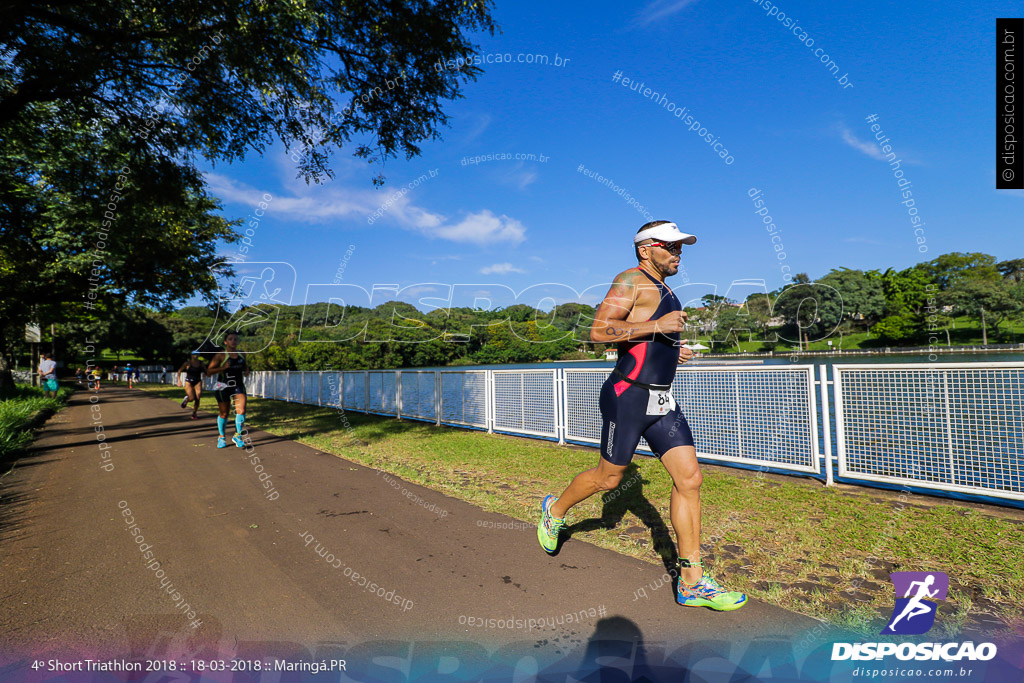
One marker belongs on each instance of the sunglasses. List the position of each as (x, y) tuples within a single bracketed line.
[(671, 247)]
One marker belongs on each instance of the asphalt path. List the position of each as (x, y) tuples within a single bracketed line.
[(283, 575)]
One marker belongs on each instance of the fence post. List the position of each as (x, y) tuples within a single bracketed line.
[(826, 424), (490, 410), (366, 391), (437, 396), (320, 389), (398, 394), (302, 388), (559, 401)]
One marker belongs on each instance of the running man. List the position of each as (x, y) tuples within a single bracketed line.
[(128, 370), (48, 375), (230, 365), (915, 607), (645, 318), (193, 382)]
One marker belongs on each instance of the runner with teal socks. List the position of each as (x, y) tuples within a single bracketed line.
[(221, 440), (230, 365)]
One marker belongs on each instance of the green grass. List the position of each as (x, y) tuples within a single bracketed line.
[(791, 542), (17, 413)]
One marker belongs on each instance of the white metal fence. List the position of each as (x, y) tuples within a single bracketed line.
[(947, 427)]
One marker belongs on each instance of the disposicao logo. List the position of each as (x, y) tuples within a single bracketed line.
[(914, 613)]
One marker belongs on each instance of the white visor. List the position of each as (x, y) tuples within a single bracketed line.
[(666, 232)]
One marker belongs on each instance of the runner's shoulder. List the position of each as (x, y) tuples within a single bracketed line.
[(627, 280)]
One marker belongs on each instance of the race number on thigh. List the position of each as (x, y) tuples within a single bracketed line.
[(660, 402)]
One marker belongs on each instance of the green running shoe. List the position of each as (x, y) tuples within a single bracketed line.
[(709, 593), (549, 527)]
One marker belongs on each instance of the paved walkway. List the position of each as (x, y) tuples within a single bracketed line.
[(279, 570)]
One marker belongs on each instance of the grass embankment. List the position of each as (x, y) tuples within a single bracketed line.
[(787, 541), (20, 411)]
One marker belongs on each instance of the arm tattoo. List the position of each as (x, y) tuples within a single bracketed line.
[(623, 290), (618, 331)]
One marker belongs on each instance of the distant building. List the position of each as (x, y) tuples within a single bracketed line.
[(611, 354)]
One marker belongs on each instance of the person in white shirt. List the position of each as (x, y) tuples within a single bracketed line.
[(48, 373)]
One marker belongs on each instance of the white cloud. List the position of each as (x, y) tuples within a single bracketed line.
[(501, 269), (519, 177), (659, 9), (525, 179), (869, 148), (481, 228), (874, 150), (312, 203), (331, 202), (476, 127), (231, 190)]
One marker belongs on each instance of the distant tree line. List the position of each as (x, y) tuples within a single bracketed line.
[(897, 308)]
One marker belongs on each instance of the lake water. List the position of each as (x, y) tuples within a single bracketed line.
[(775, 360)]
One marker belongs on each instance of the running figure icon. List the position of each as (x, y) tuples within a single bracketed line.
[(915, 607)]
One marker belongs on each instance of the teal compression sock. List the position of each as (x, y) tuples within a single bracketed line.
[(239, 421), (220, 425)]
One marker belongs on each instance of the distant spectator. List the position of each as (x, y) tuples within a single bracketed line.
[(79, 375), (48, 373)]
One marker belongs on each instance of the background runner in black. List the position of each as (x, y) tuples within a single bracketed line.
[(192, 381)]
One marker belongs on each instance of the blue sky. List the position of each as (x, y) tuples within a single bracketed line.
[(793, 130)]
